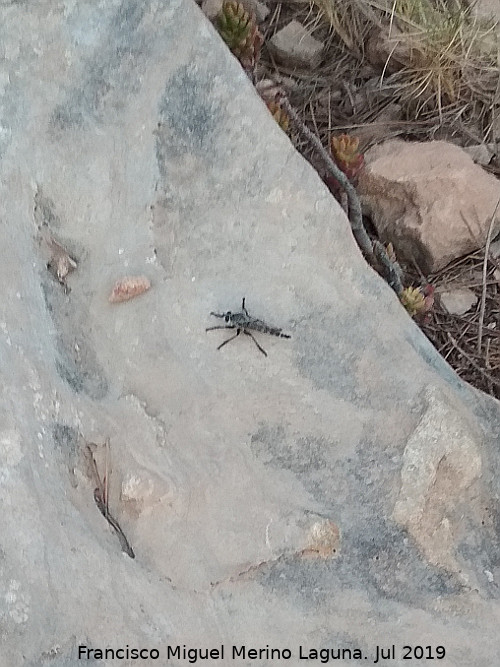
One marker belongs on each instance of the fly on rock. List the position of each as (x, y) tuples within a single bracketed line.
[(244, 322)]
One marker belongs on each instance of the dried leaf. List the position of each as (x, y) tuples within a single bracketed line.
[(269, 90), (60, 262), (63, 264)]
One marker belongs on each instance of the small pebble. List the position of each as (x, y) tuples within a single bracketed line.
[(458, 301)]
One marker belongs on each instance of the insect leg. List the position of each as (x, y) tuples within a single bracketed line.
[(218, 314), (243, 308), (260, 348), (221, 327), (238, 331)]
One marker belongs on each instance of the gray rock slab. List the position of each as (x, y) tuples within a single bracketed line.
[(341, 493)]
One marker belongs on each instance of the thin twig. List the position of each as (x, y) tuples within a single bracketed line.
[(345, 86), (124, 543), (101, 500), (106, 477), (485, 270), (487, 361), (472, 362), (95, 471)]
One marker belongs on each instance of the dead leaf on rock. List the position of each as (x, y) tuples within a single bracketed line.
[(63, 263), (128, 288), (60, 262)]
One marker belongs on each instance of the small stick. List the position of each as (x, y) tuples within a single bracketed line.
[(95, 471), (485, 270), (345, 86), (106, 477), (487, 361), (472, 362), (101, 500), (124, 543)]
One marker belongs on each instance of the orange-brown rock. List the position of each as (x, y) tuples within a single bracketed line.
[(429, 199)]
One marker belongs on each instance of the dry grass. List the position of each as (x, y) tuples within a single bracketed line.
[(456, 336), (438, 78), (440, 67)]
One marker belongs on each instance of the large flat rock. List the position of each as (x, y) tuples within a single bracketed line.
[(341, 493)]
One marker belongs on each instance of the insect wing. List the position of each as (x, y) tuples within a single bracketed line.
[(259, 325)]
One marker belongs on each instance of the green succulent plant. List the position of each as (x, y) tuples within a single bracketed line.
[(238, 28)]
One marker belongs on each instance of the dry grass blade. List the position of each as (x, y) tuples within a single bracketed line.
[(94, 469), (462, 354), (448, 57), (485, 270), (472, 362), (106, 477), (124, 543)]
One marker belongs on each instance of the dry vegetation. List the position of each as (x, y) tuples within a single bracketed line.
[(421, 70)]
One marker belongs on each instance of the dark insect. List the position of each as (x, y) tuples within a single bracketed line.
[(244, 322)]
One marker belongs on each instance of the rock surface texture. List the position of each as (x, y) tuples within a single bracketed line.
[(429, 199), (341, 493)]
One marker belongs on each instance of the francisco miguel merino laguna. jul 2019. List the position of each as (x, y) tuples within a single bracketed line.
[(323, 655)]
